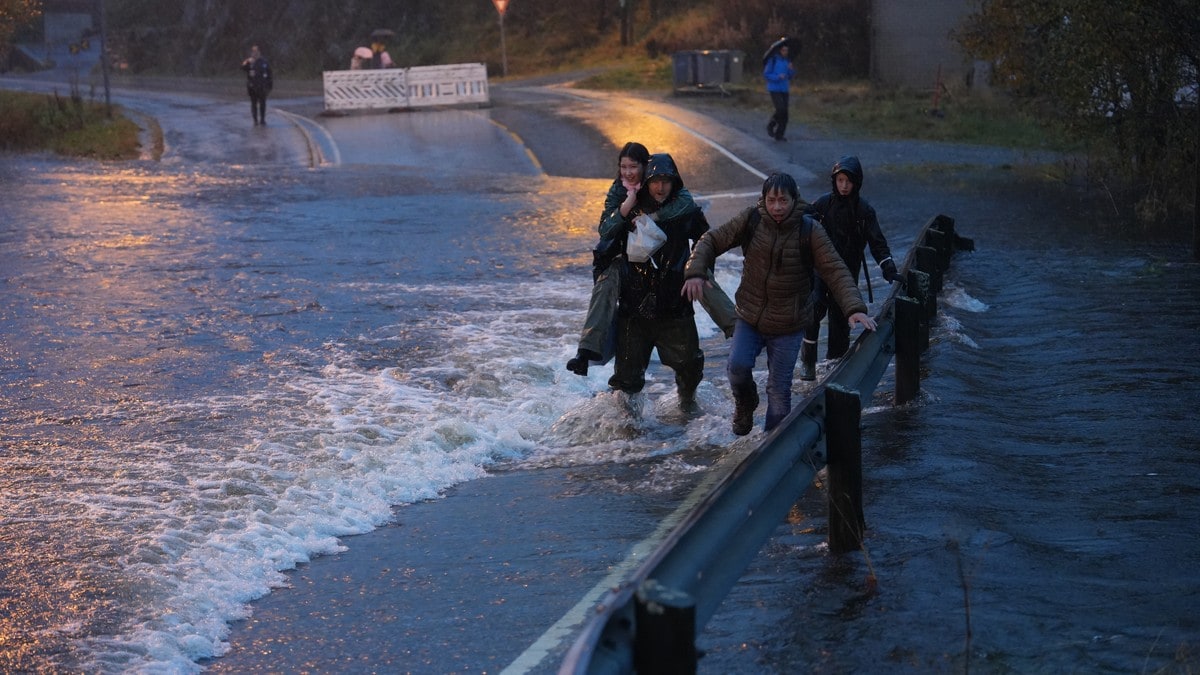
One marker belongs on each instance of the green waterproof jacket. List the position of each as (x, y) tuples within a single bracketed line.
[(775, 292), (613, 224)]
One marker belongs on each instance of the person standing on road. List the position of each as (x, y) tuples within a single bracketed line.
[(652, 311), (778, 73), (781, 248), (258, 84), (620, 209), (850, 222)]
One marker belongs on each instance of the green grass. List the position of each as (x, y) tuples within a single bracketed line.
[(68, 126), (640, 73), (962, 117)]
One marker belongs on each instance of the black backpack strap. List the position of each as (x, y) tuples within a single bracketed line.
[(752, 223), (805, 242)]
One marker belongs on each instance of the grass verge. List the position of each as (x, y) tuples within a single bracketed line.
[(855, 108), (68, 126)]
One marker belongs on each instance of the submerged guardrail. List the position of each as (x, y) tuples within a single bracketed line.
[(649, 622)]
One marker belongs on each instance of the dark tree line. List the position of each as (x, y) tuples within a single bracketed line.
[(1119, 75), (304, 37), (14, 14)]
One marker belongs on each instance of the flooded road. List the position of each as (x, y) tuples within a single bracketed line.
[(218, 366)]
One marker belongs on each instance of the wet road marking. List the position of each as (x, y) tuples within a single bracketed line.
[(321, 152), (519, 141), (715, 145), (702, 137)]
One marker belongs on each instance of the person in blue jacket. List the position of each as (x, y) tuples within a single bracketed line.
[(778, 73)]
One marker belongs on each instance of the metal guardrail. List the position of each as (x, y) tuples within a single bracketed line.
[(649, 622), (421, 86)]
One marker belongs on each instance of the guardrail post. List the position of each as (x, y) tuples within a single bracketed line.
[(927, 262), (938, 241), (918, 289), (666, 631), (843, 445), (908, 349)]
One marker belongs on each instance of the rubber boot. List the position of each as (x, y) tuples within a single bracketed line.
[(687, 402), (745, 401), (579, 364), (808, 361)]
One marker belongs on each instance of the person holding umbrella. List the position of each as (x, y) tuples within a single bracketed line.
[(380, 58), (778, 72)]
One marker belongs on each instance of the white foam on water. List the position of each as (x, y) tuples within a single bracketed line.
[(340, 445), (958, 298)]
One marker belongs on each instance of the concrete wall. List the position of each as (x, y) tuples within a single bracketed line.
[(911, 39)]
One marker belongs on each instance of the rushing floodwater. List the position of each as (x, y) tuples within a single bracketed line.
[(211, 376)]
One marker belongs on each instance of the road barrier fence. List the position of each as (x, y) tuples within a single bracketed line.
[(402, 88)]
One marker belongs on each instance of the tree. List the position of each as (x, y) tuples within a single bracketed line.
[(14, 14), (1120, 75)]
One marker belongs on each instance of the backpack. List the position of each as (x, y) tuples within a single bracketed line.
[(805, 234)]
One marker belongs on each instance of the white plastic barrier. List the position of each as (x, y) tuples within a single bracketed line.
[(421, 86)]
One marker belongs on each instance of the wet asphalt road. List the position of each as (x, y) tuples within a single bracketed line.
[(489, 568), (476, 582)]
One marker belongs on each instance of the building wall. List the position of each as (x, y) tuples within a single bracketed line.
[(911, 39)]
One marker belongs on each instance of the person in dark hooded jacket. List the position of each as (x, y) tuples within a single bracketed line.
[(851, 224), (620, 209), (258, 84), (652, 312)]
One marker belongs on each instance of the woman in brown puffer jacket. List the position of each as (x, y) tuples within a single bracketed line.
[(782, 249)]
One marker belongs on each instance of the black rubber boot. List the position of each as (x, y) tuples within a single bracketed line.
[(808, 361), (687, 402), (745, 401), (579, 364)]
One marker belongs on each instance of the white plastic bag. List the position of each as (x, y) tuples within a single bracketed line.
[(646, 238)]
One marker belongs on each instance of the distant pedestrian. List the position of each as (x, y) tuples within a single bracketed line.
[(778, 72), (380, 57), (361, 58), (258, 84), (851, 224)]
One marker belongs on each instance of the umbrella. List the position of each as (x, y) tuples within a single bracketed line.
[(776, 46), (383, 33), (363, 52)]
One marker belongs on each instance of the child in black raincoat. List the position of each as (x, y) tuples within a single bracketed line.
[(852, 225)]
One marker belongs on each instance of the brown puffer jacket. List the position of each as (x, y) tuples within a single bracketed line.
[(775, 292)]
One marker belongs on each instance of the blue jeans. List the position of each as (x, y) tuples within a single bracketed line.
[(782, 351)]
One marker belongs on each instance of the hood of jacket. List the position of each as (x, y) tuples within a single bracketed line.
[(850, 166), (661, 164)]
